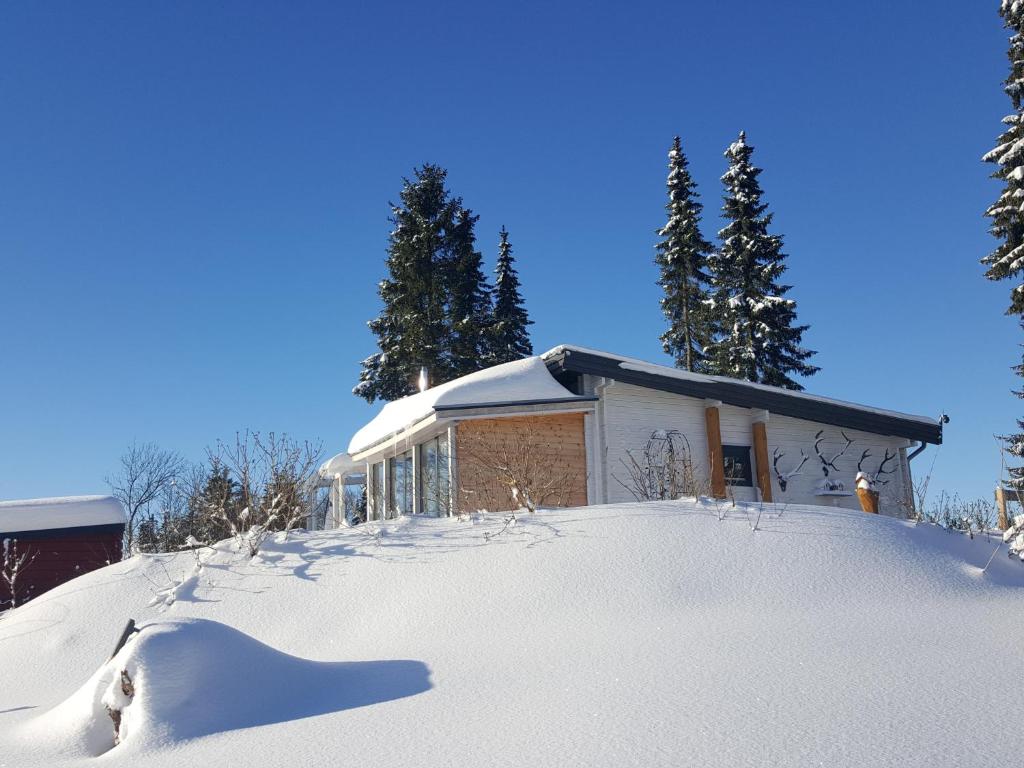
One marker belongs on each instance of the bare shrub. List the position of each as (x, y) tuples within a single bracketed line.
[(146, 472), (518, 468), (13, 564), (955, 514), (271, 486), (663, 469)]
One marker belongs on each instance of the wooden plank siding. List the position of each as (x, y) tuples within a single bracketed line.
[(551, 449), (630, 414)]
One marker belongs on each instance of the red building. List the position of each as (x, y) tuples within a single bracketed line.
[(46, 542)]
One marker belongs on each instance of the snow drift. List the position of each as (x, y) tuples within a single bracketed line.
[(195, 677), (645, 634)]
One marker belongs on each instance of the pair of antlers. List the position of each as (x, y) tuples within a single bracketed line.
[(826, 462), (881, 467), (784, 477)]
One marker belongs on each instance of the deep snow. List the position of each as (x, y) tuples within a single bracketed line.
[(647, 635)]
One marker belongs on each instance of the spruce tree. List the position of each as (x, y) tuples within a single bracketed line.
[(470, 314), (759, 341), (218, 495), (510, 337), (682, 257), (1007, 213), (412, 329)]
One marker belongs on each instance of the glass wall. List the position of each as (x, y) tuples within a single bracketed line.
[(414, 482), (400, 485), (434, 485), (377, 483)]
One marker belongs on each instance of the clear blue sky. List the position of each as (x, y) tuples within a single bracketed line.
[(193, 200)]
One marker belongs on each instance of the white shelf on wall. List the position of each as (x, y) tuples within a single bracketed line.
[(833, 496)]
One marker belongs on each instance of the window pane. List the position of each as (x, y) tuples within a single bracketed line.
[(377, 513)]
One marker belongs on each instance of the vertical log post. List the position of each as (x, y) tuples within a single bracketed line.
[(715, 459), (764, 476), (1004, 520)]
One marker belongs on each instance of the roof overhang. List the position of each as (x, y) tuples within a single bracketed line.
[(745, 395)]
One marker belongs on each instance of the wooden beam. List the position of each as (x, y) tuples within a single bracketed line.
[(1004, 520), (764, 477), (715, 460)]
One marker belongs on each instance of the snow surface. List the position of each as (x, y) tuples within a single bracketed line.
[(628, 635), (59, 512), (526, 379), (632, 364)]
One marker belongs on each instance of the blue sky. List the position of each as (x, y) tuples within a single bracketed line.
[(193, 200)]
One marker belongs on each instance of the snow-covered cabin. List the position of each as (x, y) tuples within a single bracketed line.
[(591, 427), (50, 541)]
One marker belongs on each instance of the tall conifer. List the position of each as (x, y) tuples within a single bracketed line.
[(510, 337), (412, 329), (759, 340), (1006, 262), (470, 314), (682, 257)]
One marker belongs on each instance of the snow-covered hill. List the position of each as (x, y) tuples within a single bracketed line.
[(647, 635)]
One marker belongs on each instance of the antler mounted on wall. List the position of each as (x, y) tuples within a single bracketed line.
[(784, 477), (826, 462), (881, 467)]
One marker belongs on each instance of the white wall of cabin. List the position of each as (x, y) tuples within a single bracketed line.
[(628, 414)]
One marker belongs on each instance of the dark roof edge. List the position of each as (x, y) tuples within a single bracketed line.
[(742, 395), (517, 403), (59, 533)]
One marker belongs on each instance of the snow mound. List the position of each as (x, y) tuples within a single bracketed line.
[(526, 379), (659, 634), (195, 677), (59, 512)]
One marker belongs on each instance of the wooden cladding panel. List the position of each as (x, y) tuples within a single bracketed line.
[(56, 560), (764, 477), (715, 457), (550, 450)]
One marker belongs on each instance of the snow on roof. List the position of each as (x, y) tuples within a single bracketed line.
[(526, 379), (642, 366), (59, 512), (339, 464)]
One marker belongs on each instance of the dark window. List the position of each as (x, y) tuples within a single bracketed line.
[(737, 465)]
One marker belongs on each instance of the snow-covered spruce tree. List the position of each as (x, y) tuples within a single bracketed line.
[(682, 257), (412, 329), (510, 337), (1007, 213), (468, 296), (759, 340)]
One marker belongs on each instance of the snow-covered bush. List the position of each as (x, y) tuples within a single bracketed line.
[(954, 514), (269, 487), (1014, 536)]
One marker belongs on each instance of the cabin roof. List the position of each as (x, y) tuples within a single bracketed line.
[(521, 382), (59, 513), (744, 394)]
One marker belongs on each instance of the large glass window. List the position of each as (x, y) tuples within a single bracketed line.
[(400, 485), (377, 481), (434, 490)]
